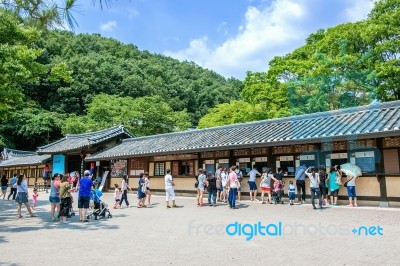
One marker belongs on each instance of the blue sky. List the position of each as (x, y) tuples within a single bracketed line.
[(227, 36)]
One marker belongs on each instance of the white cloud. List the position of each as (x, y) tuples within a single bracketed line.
[(359, 9), (266, 32), (109, 26)]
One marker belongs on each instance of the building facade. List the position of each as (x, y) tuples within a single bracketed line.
[(368, 136)]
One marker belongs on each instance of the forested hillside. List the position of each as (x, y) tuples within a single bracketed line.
[(55, 82), (76, 83)]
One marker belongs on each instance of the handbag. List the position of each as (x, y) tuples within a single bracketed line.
[(143, 189)]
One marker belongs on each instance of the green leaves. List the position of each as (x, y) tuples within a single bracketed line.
[(143, 116)]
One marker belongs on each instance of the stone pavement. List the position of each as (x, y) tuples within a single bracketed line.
[(196, 235)]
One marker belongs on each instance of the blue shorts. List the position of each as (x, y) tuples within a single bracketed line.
[(351, 191), (83, 202), (252, 185), (4, 187), (55, 200), (292, 196)]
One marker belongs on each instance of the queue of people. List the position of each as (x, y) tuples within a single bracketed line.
[(221, 187)]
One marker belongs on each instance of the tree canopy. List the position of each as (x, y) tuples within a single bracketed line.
[(347, 65)]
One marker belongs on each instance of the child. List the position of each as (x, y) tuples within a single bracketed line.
[(291, 192), (117, 196), (35, 195)]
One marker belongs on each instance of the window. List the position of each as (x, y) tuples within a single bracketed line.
[(245, 167), (364, 160), (159, 169), (286, 163), (335, 159), (210, 168), (184, 167), (308, 160)]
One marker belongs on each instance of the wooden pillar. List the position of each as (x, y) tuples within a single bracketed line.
[(380, 174)]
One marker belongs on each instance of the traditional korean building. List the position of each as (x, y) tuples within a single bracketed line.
[(368, 136), (23, 162), (68, 153)]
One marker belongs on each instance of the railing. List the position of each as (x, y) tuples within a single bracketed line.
[(41, 186)]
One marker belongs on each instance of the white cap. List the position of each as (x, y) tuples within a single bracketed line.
[(87, 172)]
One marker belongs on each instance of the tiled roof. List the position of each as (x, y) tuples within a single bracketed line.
[(32, 159), (378, 119), (9, 153), (76, 141)]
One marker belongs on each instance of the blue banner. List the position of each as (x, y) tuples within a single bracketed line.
[(58, 164)]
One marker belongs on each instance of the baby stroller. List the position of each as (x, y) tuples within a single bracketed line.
[(99, 208), (277, 192)]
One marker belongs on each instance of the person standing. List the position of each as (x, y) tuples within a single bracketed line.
[(266, 185), (300, 178), (169, 189), (314, 186), (147, 183), (212, 189), (141, 191), (124, 187), (252, 183), (224, 181), (351, 191), (13, 191), (22, 197), (54, 197), (4, 186), (85, 186), (322, 186), (240, 178), (233, 184), (65, 195), (46, 177), (291, 192), (335, 175), (200, 188), (219, 183)]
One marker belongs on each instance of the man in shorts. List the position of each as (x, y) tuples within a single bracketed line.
[(252, 183), (85, 186), (169, 189)]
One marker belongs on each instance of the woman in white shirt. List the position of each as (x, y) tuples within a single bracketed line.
[(314, 186), (22, 195)]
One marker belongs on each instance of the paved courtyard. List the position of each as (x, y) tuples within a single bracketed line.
[(190, 235)]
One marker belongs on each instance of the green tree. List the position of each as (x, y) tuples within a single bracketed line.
[(232, 113), (147, 115), (18, 64)]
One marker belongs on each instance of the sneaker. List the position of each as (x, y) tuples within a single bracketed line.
[(168, 207), (263, 202), (176, 206), (350, 205), (314, 207), (256, 200), (355, 205), (303, 202)]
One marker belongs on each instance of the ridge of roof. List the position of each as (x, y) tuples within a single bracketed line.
[(370, 107)]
